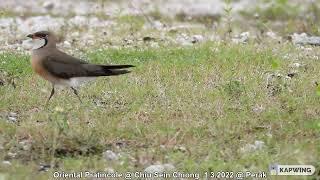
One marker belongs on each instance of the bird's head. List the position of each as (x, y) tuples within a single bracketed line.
[(42, 39)]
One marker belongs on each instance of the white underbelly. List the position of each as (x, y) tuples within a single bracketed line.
[(74, 82)]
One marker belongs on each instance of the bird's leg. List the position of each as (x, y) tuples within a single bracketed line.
[(76, 93), (51, 94)]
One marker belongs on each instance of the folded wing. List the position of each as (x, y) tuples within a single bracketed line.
[(69, 68)]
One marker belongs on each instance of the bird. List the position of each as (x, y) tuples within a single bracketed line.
[(61, 69)]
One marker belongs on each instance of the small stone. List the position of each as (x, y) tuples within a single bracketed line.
[(258, 109), (59, 109), (26, 145), (297, 65), (197, 38), (75, 34), (44, 167), (12, 155), (48, 5), (184, 40), (249, 148), (109, 170), (12, 117), (273, 35), (110, 155), (181, 148), (159, 168), (242, 38), (245, 34), (67, 44), (259, 145), (6, 163), (154, 45), (157, 24)]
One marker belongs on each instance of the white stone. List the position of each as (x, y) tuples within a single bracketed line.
[(197, 38), (259, 145), (7, 163), (67, 44), (25, 144), (296, 65), (242, 38), (12, 155), (109, 170), (258, 109), (271, 35), (158, 25), (110, 155), (159, 168), (249, 148)]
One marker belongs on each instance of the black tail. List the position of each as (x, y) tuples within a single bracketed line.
[(117, 66), (114, 70), (105, 70)]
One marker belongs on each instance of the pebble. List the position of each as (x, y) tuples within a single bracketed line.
[(157, 25), (197, 38), (271, 35), (44, 167), (242, 38), (48, 5), (184, 40), (7, 163), (26, 145), (181, 148), (110, 155), (12, 117), (248, 148), (109, 170), (258, 109), (67, 44), (12, 155), (159, 168), (297, 65), (59, 109)]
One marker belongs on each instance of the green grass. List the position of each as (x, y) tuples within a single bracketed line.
[(294, 17), (200, 98)]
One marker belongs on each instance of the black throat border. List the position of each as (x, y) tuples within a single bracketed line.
[(45, 43)]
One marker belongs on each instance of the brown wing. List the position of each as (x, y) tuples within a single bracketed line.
[(67, 70), (63, 69)]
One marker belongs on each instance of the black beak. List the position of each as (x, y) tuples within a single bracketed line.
[(30, 35)]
